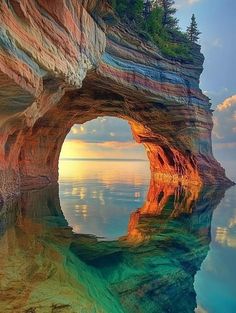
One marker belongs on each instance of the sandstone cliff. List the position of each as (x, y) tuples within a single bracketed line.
[(61, 63)]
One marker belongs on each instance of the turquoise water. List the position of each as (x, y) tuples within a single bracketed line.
[(215, 282), (101, 242)]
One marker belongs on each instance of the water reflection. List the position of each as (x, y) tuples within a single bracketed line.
[(98, 197), (215, 283), (46, 267)]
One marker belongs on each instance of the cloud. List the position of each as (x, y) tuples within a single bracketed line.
[(102, 129), (226, 145), (117, 145), (217, 43), (215, 131), (218, 96), (105, 137), (182, 3), (234, 115), (74, 148), (224, 129), (227, 103), (190, 2)]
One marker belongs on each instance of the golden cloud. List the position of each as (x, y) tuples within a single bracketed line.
[(227, 103), (117, 145), (74, 148)]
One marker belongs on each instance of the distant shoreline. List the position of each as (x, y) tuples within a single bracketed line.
[(122, 160)]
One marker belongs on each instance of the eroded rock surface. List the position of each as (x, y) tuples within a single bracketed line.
[(61, 63)]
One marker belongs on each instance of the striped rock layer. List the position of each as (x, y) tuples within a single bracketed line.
[(62, 63)]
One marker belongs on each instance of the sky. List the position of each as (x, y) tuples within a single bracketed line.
[(112, 138), (104, 137), (216, 21)]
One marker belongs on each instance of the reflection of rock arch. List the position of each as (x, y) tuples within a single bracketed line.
[(166, 202), (43, 67), (153, 266)]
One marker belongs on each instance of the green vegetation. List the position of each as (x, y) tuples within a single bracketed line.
[(131, 9), (168, 19), (156, 21), (192, 31)]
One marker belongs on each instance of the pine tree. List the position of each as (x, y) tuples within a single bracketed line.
[(137, 9), (132, 9), (168, 19), (147, 8), (192, 30), (121, 7)]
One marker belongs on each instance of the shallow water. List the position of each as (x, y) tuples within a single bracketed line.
[(107, 246)]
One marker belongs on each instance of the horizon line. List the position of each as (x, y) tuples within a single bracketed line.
[(100, 159)]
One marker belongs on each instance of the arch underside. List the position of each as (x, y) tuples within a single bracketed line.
[(67, 67), (31, 153)]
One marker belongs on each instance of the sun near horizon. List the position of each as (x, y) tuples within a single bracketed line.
[(102, 138)]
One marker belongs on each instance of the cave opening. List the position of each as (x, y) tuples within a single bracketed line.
[(104, 176)]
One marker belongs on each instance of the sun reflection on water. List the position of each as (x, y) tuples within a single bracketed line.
[(106, 171), (97, 197)]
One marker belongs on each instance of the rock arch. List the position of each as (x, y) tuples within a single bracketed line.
[(61, 63)]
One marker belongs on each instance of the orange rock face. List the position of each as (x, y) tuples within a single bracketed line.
[(166, 202), (61, 63)]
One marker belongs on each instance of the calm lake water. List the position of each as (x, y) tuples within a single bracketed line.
[(101, 243), (97, 197)]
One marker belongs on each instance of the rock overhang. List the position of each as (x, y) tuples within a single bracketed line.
[(61, 64)]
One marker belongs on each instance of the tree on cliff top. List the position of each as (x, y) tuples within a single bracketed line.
[(169, 11), (140, 10), (132, 9), (147, 8), (154, 20), (192, 30)]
